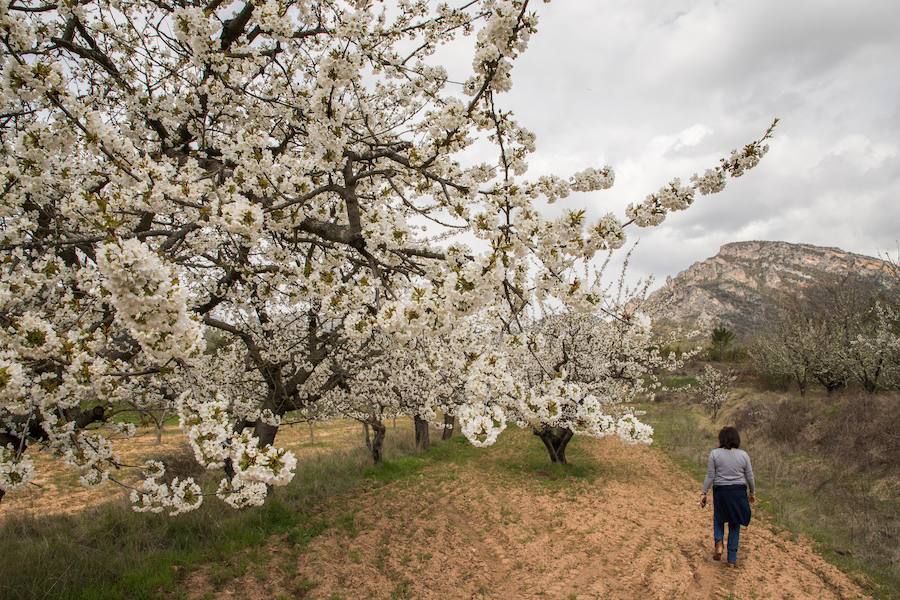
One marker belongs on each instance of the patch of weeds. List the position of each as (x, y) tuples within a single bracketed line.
[(303, 533), (220, 574), (536, 467), (380, 560), (507, 515), (402, 591), (347, 522), (301, 587)]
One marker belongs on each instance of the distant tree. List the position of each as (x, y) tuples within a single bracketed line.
[(714, 388), (780, 355), (873, 350), (842, 330), (721, 340)]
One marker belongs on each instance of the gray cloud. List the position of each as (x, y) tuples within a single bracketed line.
[(662, 89)]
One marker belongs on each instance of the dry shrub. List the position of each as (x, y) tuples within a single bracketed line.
[(751, 415), (787, 420), (862, 429), (773, 382)]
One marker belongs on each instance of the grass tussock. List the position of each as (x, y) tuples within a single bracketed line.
[(826, 466)]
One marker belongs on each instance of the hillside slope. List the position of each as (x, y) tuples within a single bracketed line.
[(739, 286)]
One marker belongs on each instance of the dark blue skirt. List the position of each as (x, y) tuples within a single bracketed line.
[(731, 504)]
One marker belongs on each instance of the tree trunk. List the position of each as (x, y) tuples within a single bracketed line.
[(555, 440), (378, 442), (265, 433), (832, 386), (366, 436), (422, 440), (312, 433), (449, 426)]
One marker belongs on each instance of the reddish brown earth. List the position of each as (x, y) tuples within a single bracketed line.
[(492, 528)]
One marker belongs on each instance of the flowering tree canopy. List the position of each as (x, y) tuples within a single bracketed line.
[(713, 388), (572, 372), (287, 174)]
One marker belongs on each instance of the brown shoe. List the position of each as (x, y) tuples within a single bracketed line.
[(732, 565), (717, 555)]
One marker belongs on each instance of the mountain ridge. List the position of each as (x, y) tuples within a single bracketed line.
[(738, 287)]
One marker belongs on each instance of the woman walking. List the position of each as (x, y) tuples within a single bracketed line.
[(731, 476)]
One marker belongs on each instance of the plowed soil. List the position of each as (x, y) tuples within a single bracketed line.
[(624, 524)]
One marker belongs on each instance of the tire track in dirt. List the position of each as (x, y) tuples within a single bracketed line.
[(473, 531)]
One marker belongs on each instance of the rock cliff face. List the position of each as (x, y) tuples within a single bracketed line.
[(739, 286)]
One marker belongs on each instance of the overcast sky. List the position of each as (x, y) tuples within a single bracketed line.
[(661, 88)]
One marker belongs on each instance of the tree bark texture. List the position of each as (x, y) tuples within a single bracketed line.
[(555, 441), (422, 440), (449, 426)]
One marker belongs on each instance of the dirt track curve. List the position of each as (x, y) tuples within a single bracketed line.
[(472, 530)]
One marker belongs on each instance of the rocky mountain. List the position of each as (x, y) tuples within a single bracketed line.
[(739, 286)]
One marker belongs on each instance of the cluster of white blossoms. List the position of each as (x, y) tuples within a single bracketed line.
[(481, 423), (675, 196), (629, 429), (241, 217), (15, 470), (607, 234), (502, 39), (91, 454), (591, 180), (711, 182), (239, 493), (36, 338), (267, 464), (178, 496), (13, 393), (282, 230), (207, 424), (149, 300)]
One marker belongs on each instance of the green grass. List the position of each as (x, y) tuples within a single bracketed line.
[(110, 552), (529, 460), (675, 382), (830, 515)]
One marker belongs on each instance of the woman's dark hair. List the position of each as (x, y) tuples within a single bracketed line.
[(729, 438)]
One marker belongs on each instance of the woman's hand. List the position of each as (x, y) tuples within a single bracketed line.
[(702, 500), (752, 498)]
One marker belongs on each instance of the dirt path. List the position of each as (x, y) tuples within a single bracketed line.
[(488, 528)]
